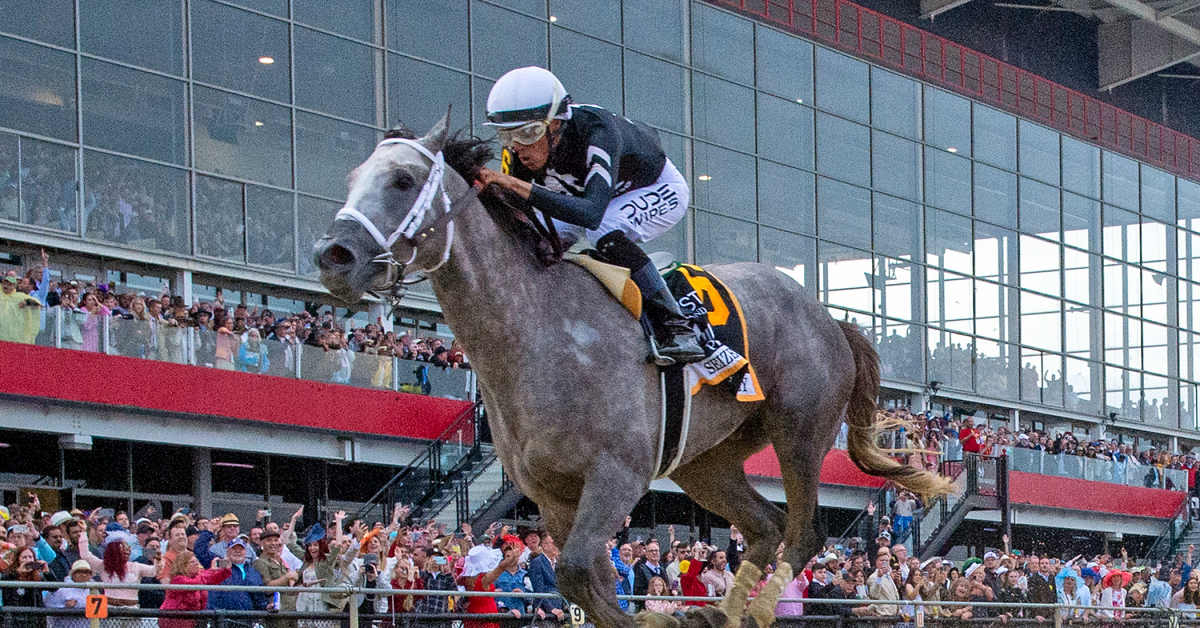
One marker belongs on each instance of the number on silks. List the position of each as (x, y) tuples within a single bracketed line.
[(577, 616)]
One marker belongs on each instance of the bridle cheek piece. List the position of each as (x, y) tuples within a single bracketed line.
[(410, 229)]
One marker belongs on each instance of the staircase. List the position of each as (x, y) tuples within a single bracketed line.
[(980, 483), (1179, 531)]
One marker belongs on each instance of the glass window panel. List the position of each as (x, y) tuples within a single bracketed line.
[(1189, 204), (796, 253), (995, 137), (785, 197), (1039, 152), (1154, 401), (950, 359), (149, 34), (785, 131), (950, 300), (1040, 265), (899, 347), (51, 21), (1080, 167), (674, 241), (1154, 347), (995, 369), (37, 88), (948, 241), (1122, 390), (995, 195), (842, 85), (230, 45), (843, 210), (896, 289), (278, 8), (271, 228), (436, 31), (1122, 287), (326, 151), (135, 203), (420, 109), (1081, 222), (895, 103), (947, 181), (502, 40), (1120, 181), (895, 165), (722, 43), (996, 253), (947, 121), (995, 310), (536, 8), (1155, 239), (1039, 209), (655, 27), (720, 112), (654, 92), (10, 175), (601, 18), (785, 64), (1121, 234), (134, 112), (219, 219), (843, 273), (1083, 382), (1041, 321), (721, 240), (328, 69), (479, 95), (47, 185), (1158, 193), (1041, 377), (843, 149), (897, 227), (729, 188), (1081, 276), (315, 215), (675, 147), (231, 141), (353, 18), (591, 67)]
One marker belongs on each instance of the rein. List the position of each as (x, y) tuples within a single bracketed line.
[(410, 229)]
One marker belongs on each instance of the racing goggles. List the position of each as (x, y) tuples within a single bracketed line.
[(525, 134)]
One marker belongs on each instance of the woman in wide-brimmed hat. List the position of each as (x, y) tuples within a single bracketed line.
[(1113, 597)]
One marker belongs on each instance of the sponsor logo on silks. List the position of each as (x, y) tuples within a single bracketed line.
[(649, 205)]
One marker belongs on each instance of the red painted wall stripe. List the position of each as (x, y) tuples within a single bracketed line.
[(1058, 492), (80, 376), (1024, 488)]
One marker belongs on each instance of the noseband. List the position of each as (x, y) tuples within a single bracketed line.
[(410, 229)]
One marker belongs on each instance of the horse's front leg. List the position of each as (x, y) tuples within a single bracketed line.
[(585, 572)]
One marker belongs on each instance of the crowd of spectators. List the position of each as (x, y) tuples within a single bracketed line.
[(930, 437), (227, 336), (381, 559)]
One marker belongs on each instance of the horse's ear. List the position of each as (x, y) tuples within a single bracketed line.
[(436, 138)]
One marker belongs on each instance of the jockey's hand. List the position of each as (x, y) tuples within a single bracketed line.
[(487, 176)]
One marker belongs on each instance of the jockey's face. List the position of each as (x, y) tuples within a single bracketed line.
[(534, 156)]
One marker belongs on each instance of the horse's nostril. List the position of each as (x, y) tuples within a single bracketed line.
[(336, 255)]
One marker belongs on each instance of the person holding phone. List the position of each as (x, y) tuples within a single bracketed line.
[(241, 573)]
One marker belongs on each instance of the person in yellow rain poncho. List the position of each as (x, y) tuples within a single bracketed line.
[(18, 313)]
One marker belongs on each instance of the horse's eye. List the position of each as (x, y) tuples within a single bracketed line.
[(403, 180)]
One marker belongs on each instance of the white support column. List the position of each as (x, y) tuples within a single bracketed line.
[(1016, 421), (181, 285), (378, 312)]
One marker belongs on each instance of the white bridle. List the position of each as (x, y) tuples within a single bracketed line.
[(433, 189)]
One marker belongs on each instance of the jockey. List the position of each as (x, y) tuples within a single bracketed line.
[(595, 174)]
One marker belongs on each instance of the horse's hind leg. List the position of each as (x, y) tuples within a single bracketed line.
[(717, 481), (585, 572)]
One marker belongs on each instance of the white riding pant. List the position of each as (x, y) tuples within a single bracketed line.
[(642, 213)]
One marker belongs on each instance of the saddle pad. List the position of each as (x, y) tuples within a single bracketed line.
[(614, 278), (716, 315)]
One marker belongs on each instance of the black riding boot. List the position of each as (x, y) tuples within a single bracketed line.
[(678, 341)]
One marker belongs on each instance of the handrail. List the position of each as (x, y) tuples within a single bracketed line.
[(879, 498), (430, 456), (1166, 542)]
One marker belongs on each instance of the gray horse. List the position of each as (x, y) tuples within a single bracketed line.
[(573, 405)]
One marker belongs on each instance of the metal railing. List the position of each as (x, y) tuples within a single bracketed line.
[(418, 482), (927, 612), (1177, 526), (1128, 473), (115, 335), (893, 43)]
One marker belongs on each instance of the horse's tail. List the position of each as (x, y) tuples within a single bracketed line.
[(861, 416)]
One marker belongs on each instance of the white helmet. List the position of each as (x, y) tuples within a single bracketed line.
[(526, 95)]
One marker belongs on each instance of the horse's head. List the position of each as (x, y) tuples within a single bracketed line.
[(395, 220)]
